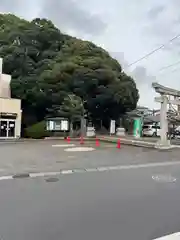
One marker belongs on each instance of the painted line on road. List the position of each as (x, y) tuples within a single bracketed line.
[(89, 170), (6, 178), (174, 236), (63, 145)]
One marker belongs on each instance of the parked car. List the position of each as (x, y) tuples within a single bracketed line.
[(151, 130)]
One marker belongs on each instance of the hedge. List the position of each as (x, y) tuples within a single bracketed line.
[(37, 131)]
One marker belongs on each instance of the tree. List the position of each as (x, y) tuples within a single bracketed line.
[(27, 48), (90, 73), (48, 66), (72, 108)]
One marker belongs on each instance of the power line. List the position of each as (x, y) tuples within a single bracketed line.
[(154, 51), (169, 66), (161, 73)]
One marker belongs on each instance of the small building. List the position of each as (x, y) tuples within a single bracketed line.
[(10, 109)]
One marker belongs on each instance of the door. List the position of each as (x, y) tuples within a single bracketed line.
[(11, 128), (3, 128)]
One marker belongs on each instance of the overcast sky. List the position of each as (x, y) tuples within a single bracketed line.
[(127, 29)]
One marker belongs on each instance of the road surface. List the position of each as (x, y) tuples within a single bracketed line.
[(141, 203), (41, 156)]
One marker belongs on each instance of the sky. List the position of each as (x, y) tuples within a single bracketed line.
[(126, 29)]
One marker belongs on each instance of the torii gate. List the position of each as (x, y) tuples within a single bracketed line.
[(164, 99)]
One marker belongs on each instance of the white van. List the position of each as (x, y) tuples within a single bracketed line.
[(151, 130)]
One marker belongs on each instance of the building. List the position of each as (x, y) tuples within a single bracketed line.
[(10, 109)]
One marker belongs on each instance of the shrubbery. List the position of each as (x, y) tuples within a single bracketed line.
[(37, 131)]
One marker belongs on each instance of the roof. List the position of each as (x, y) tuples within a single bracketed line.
[(56, 118), (155, 118)]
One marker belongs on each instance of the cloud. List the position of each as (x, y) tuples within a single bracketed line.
[(68, 14), (142, 79), (132, 30), (164, 19), (155, 11), (139, 73), (22, 8), (8, 6)]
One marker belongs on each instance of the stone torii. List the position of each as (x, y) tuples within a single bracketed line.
[(164, 99)]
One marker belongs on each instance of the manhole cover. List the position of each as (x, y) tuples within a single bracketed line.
[(164, 178), (79, 149), (50, 180)]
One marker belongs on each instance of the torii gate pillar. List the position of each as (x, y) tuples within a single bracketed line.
[(164, 100), (163, 142)]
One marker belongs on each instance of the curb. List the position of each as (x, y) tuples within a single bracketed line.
[(130, 142)]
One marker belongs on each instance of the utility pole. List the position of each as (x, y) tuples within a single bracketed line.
[(83, 121)]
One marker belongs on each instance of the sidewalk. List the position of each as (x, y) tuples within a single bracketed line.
[(149, 142), (130, 140)]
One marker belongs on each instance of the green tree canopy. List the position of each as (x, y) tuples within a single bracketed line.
[(47, 66)]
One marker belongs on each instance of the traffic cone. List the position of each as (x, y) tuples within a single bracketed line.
[(118, 144), (97, 142), (81, 140), (68, 139)]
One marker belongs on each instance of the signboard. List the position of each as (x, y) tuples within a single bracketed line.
[(137, 128), (64, 125), (57, 125), (49, 125), (113, 127)]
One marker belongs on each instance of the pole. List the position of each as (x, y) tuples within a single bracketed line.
[(163, 120)]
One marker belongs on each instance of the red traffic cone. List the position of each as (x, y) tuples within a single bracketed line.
[(68, 139), (97, 142), (118, 144), (81, 140)]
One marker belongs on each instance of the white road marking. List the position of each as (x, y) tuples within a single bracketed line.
[(101, 169), (71, 156), (91, 170), (79, 149), (6, 178), (63, 145), (174, 236), (44, 174), (164, 178), (146, 165), (66, 171)]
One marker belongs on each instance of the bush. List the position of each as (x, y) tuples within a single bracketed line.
[(37, 131)]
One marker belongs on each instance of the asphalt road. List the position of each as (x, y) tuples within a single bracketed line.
[(40, 156), (121, 204)]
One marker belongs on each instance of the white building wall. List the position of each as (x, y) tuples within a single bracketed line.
[(8, 104)]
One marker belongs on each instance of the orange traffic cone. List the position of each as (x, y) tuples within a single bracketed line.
[(68, 139), (118, 144), (97, 142), (81, 140)]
